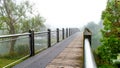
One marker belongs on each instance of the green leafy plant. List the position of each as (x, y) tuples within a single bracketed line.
[(110, 41)]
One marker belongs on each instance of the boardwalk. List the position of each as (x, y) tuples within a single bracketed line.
[(70, 57), (66, 54)]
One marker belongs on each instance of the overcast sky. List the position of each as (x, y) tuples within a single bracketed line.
[(70, 13)]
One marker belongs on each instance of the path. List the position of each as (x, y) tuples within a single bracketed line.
[(71, 56), (65, 54)]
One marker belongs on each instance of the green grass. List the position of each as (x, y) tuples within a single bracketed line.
[(4, 61), (8, 61)]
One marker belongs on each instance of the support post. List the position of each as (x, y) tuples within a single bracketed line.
[(57, 34), (69, 32), (49, 38), (66, 32), (31, 38), (88, 34), (63, 32)]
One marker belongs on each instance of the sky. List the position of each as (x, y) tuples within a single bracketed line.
[(70, 13)]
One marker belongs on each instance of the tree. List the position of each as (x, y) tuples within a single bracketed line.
[(18, 18), (111, 32)]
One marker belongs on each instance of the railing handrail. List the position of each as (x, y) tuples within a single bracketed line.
[(89, 61), (23, 34), (40, 32), (14, 35)]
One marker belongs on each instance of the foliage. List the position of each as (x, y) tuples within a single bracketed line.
[(110, 46), (18, 18), (106, 66)]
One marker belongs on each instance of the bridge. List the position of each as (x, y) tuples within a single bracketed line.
[(65, 48)]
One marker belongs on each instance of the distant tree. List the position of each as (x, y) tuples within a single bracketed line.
[(110, 46), (18, 18)]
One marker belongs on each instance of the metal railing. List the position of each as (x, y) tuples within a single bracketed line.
[(32, 42), (89, 61), (32, 36)]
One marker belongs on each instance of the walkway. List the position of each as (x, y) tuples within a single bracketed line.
[(66, 54), (70, 57)]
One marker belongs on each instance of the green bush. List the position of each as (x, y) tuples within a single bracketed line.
[(106, 66)]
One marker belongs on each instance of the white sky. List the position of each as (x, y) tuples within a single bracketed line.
[(70, 13)]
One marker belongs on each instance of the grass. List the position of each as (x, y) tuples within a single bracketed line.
[(16, 62), (4, 61), (10, 61), (7, 59)]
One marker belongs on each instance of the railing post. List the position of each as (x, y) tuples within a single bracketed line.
[(57, 35), (66, 32), (88, 34), (31, 38), (49, 38), (63, 32), (90, 39), (69, 32)]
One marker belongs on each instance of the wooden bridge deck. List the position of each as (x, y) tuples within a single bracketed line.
[(66, 54), (70, 57)]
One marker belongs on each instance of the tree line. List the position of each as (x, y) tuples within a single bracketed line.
[(18, 18)]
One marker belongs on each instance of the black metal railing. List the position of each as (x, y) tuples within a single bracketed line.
[(31, 43), (89, 61)]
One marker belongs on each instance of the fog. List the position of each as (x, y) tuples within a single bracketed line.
[(69, 13)]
